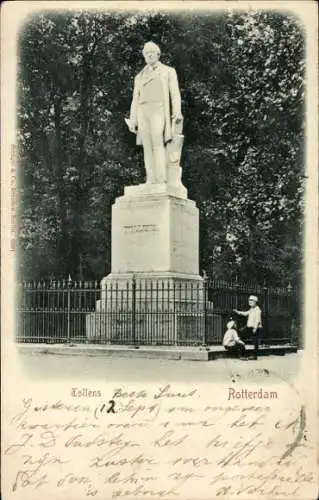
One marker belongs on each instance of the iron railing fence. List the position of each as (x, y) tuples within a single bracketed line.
[(145, 312), (55, 311), (134, 312)]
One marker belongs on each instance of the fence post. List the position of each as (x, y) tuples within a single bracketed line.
[(134, 310), (69, 309), (205, 308), (236, 291), (265, 338), (290, 311)]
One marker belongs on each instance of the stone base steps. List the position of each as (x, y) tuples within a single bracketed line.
[(159, 352)]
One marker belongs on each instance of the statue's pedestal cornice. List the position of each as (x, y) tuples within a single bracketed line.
[(177, 190)]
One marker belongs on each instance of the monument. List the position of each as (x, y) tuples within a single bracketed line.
[(155, 227)]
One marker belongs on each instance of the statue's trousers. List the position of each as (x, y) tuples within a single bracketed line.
[(151, 123)]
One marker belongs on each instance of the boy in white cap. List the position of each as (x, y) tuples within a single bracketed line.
[(232, 343), (253, 321)]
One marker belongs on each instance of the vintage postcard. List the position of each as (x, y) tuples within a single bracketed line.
[(159, 250)]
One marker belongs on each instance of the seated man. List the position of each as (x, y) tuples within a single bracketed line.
[(232, 343)]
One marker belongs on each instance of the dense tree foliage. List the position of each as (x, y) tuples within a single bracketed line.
[(242, 83)]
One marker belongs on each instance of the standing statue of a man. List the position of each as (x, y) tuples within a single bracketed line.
[(155, 112)]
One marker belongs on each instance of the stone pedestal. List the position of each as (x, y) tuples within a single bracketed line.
[(150, 308), (154, 231), (154, 291)]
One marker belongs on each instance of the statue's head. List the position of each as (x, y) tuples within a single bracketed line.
[(151, 53)]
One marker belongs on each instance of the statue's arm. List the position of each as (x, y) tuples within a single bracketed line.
[(175, 94), (134, 104)]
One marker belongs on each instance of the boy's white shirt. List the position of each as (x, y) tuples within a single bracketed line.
[(254, 317), (230, 338)]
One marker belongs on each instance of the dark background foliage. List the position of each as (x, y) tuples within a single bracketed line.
[(242, 83)]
